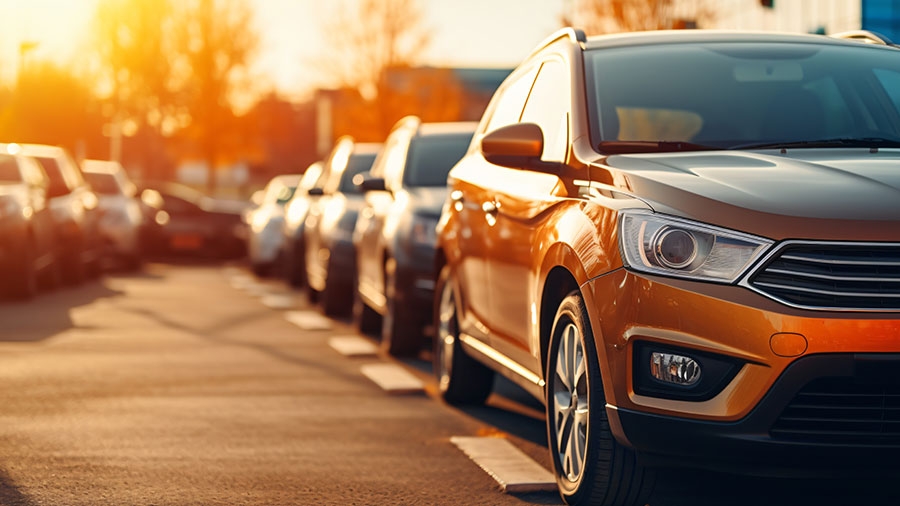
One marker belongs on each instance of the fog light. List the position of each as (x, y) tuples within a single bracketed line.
[(676, 369)]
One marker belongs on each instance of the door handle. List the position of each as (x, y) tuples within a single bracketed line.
[(490, 207)]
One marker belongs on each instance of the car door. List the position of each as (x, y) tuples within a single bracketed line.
[(474, 185), (371, 242), (42, 218), (520, 208)]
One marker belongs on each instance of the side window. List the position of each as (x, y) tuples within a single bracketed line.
[(548, 107), (511, 100), (32, 171)]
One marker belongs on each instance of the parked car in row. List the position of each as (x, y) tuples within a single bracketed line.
[(75, 211), (686, 244), (27, 228), (330, 258), (293, 251), (183, 221), (265, 222), (121, 218), (395, 237)]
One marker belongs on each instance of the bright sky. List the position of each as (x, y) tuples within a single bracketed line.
[(477, 33)]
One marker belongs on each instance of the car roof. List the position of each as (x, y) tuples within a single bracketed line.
[(712, 36), (101, 166), (450, 127), (365, 148)]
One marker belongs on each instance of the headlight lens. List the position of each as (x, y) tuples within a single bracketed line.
[(669, 246), (424, 231)]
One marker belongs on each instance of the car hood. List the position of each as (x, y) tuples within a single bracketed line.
[(427, 200), (846, 194)]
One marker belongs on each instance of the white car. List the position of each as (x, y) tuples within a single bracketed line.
[(266, 221), (120, 212)]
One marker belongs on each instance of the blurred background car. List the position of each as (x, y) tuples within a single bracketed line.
[(328, 233), (185, 222), (265, 222), (75, 212), (121, 218), (395, 235), (293, 266), (27, 229)]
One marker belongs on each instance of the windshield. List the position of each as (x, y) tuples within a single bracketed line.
[(104, 184), (357, 164), (9, 169), (432, 156), (741, 95)]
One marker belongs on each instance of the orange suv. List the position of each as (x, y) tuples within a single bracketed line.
[(687, 245)]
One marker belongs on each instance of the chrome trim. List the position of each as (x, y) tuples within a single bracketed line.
[(501, 359), (778, 248)]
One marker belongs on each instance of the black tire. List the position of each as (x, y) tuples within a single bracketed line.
[(74, 269), (337, 298), (23, 283), (461, 379), (401, 332), (365, 319), (294, 267), (600, 471)]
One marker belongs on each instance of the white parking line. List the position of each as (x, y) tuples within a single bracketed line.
[(513, 470), (353, 346), (308, 320), (393, 379), (279, 301)]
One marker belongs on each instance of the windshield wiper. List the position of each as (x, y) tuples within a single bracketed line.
[(618, 147), (840, 142)]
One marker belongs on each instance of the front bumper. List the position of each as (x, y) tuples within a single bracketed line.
[(754, 421)]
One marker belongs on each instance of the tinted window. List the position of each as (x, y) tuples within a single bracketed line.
[(431, 157), (51, 167), (104, 184), (357, 164), (728, 94), (548, 106), (9, 169)]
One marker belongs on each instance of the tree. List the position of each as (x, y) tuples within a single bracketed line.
[(611, 16), (51, 105), (215, 45), (362, 48), (175, 68)]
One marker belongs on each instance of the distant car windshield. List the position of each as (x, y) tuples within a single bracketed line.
[(432, 156), (741, 95), (357, 164), (104, 184), (9, 169)]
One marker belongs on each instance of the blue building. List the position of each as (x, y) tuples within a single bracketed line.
[(882, 16)]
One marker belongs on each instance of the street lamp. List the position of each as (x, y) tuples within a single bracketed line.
[(24, 47)]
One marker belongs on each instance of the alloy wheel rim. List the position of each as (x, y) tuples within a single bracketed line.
[(571, 403), (446, 335)]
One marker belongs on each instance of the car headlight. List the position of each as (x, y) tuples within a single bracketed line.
[(669, 246), (9, 207), (424, 231)]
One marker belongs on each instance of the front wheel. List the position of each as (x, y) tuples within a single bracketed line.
[(591, 467), (461, 379), (401, 333)]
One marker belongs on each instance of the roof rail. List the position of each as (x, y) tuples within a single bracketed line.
[(864, 36), (574, 34)]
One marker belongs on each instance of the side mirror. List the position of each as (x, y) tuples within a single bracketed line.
[(316, 192), (518, 146), (372, 184)]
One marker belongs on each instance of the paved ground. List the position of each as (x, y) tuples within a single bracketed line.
[(173, 387)]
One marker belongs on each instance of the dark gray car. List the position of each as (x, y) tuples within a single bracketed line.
[(395, 233)]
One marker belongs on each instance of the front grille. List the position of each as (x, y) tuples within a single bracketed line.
[(829, 276), (840, 411)]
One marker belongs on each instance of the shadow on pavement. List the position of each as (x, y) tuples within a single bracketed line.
[(48, 314), (10, 495)]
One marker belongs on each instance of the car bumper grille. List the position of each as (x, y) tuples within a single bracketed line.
[(838, 411), (829, 276)]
